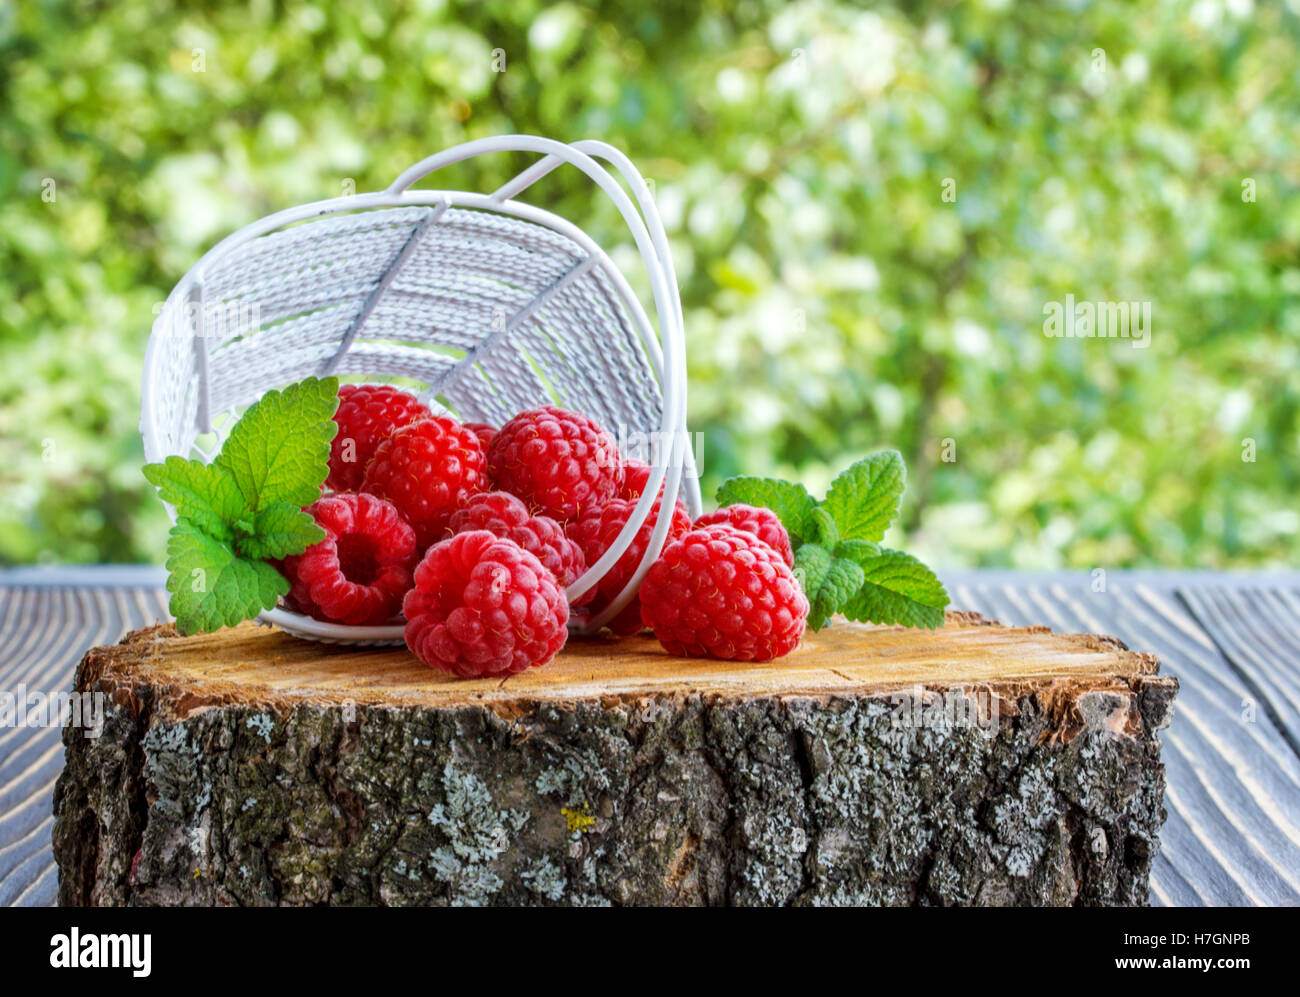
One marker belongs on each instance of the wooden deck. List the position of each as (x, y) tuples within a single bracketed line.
[(1232, 754)]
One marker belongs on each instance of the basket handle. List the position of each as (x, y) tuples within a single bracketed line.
[(499, 143)]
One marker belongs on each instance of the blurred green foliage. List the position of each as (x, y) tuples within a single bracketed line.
[(837, 302)]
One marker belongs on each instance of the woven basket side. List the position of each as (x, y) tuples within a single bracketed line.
[(490, 314), (171, 379)]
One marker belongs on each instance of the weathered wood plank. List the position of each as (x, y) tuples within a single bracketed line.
[(1258, 632), (44, 630)]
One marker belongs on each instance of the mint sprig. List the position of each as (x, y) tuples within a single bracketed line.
[(837, 554), (245, 508)]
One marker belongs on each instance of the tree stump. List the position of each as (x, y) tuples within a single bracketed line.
[(976, 764)]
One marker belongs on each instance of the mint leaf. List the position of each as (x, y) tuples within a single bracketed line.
[(202, 493), (843, 578), (838, 560), (810, 566), (279, 449), (213, 587), (823, 529), (791, 502), (279, 530), (897, 588), (865, 497), (859, 551)]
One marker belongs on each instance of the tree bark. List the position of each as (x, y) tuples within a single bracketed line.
[(974, 765)]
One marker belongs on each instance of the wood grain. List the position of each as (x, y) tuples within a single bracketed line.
[(44, 631), (1255, 631), (255, 664)]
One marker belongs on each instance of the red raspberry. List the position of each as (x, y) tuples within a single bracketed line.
[(597, 530), (636, 475), (360, 571), (758, 520), (367, 415), (482, 605), (559, 462), (719, 592), (428, 469), (484, 431), (504, 515)]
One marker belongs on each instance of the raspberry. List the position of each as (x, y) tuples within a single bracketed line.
[(636, 475), (360, 571), (367, 415), (428, 469), (482, 605), (504, 515), (484, 431), (760, 521), (720, 592), (559, 462), (596, 530)]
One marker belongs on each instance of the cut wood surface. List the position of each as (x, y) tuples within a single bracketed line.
[(974, 764), (252, 664)]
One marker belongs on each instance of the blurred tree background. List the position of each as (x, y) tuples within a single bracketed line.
[(870, 210)]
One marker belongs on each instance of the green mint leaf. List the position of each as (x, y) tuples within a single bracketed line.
[(279, 530), (810, 566), (828, 582), (858, 551), (823, 529), (865, 497), (213, 587), (842, 580), (791, 502), (897, 588), (202, 493), (279, 449)]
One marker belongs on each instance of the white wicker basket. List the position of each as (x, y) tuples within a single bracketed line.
[(483, 304)]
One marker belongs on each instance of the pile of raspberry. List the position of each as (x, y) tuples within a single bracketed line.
[(476, 535)]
